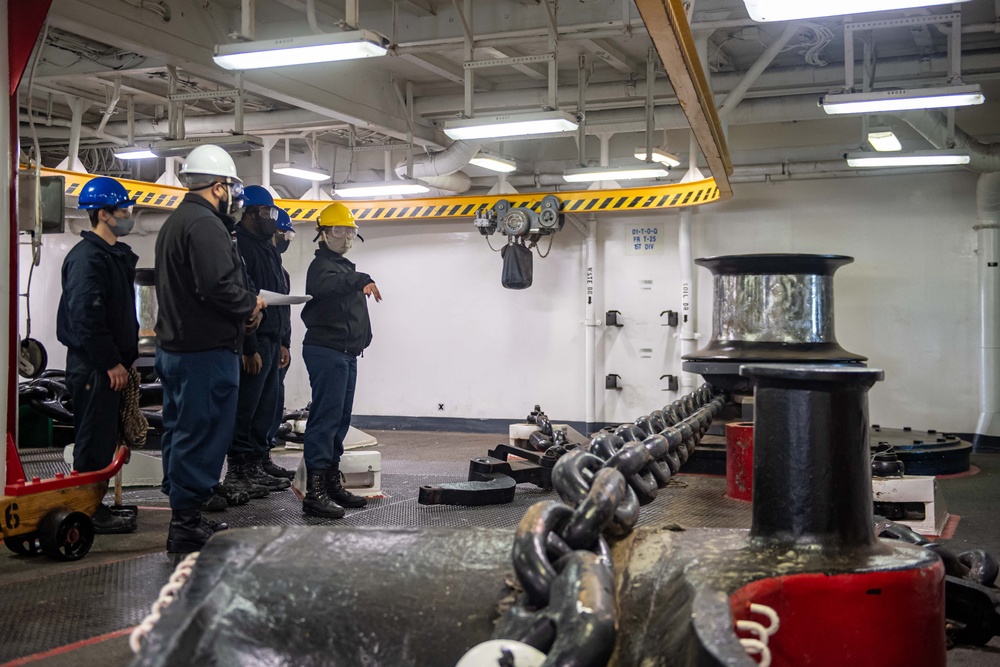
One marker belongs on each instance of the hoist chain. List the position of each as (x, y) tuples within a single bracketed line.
[(561, 557)]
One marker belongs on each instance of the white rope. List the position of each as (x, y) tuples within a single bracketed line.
[(759, 646), (167, 595)]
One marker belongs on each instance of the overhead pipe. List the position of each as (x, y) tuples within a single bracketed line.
[(286, 120), (740, 90), (933, 126), (590, 323), (59, 122), (112, 105), (988, 230), (900, 71), (441, 170)]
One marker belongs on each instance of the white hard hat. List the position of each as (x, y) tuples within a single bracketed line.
[(209, 160)]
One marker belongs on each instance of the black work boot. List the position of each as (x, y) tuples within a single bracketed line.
[(233, 495), (187, 532), (106, 523), (237, 480), (254, 471), (317, 502), (213, 525), (215, 503), (335, 489), (274, 470)]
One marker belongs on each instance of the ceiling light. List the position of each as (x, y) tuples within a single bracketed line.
[(883, 139), (590, 174), (493, 162), (295, 171), (510, 125), (300, 50), (381, 188), (134, 153), (908, 159), (659, 155), (791, 10), (902, 100)]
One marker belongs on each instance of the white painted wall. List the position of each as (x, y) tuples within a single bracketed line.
[(447, 332)]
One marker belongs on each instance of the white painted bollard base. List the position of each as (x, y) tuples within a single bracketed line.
[(488, 654)]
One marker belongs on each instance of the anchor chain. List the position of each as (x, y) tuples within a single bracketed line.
[(561, 555)]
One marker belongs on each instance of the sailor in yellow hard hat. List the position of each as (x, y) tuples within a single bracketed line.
[(337, 228), (338, 329)]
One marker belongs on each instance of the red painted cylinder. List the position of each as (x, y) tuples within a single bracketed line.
[(891, 617), (739, 460)]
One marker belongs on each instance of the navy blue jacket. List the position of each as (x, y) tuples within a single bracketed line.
[(96, 316), (337, 316), (263, 267)]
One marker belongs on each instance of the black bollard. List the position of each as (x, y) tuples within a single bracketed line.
[(812, 469)]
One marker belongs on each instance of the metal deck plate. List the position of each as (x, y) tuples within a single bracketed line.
[(40, 614), (690, 500)]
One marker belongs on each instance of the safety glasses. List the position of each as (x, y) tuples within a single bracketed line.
[(341, 232)]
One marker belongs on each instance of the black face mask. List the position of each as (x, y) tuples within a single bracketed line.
[(266, 225), (282, 245)]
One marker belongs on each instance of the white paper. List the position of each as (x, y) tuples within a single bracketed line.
[(275, 299)]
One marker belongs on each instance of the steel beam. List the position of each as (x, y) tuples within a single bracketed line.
[(441, 67), (420, 7), (533, 72), (610, 54)]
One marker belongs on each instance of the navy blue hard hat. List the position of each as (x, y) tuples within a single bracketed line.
[(102, 192), (256, 195), (284, 221)]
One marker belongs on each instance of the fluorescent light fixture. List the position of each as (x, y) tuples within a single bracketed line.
[(381, 188), (493, 162), (134, 153), (903, 100), (229, 142), (908, 159), (591, 174), (883, 139), (300, 50), (510, 125), (791, 10), (659, 155), (295, 171)]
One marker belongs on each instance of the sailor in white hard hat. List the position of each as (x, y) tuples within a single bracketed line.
[(205, 308)]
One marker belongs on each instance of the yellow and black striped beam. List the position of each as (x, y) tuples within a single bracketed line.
[(634, 200)]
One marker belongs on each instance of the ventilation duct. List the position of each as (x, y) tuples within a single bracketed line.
[(440, 170)]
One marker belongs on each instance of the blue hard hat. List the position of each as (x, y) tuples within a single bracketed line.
[(101, 192), (284, 221), (256, 195)]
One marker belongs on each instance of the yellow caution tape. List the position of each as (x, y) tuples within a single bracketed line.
[(653, 198)]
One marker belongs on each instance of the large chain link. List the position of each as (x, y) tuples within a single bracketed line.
[(561, 557)]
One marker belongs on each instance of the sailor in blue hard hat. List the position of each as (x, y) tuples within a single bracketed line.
[(282, 238), (285, 232), (108, 203), (96, 322), (250, 469)]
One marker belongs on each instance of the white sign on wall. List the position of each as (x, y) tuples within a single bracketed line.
[(642, 240)]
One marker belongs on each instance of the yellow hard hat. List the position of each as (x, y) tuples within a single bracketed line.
[(336, 215)]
